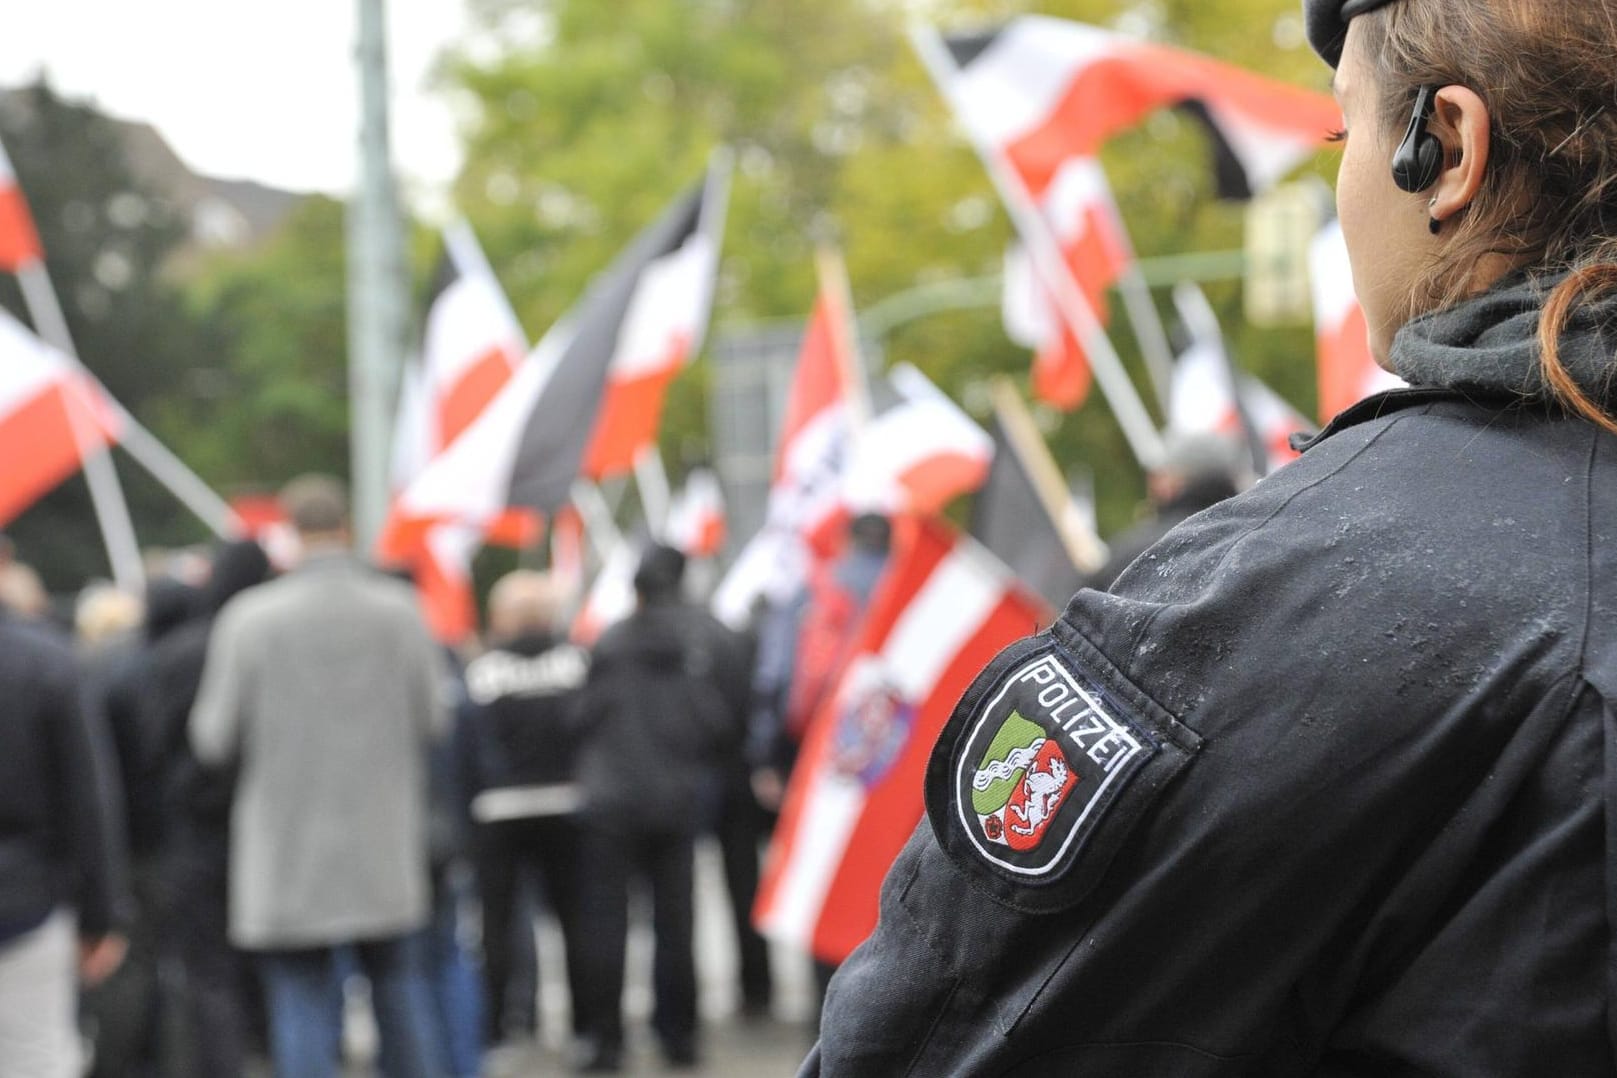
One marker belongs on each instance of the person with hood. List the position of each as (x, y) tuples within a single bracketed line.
[(1325, 784), (210, 1024), (665, 694)]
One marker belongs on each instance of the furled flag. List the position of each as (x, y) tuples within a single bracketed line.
[(1202, 398), (1347, 371), (918, 452), (51, 414), (696, 518), (943, 609), (19, 241), (1045, 94), (471, 345), (529, 444)]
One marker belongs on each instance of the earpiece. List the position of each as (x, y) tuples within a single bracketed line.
[(1419, 157)]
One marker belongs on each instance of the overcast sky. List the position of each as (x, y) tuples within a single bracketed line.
[(258, 89)]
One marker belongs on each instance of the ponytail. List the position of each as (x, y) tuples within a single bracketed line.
[(1590, 280)]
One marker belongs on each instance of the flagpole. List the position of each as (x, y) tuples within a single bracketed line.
[(1203, 325), (651, 480), (106, 494), (1146, 321), (1085, 548), (1138, 427), (597, 517)]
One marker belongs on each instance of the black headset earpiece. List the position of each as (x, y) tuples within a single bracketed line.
[(1419, 157)]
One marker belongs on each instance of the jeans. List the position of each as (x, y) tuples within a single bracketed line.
[(305, 1005), (453, 977)]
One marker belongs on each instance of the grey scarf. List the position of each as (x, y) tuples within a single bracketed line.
[(1488, 344)]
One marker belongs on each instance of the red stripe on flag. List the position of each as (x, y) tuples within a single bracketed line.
[(895, 805), (475, 387), (19, 241), (38, 444), (913, 559), (817, 381), (940, 477), (630, 414), (1110, 94), (446, 600)]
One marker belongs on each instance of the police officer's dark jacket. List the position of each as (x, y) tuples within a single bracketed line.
[(1324, 787)]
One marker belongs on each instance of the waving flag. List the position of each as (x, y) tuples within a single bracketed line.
[(917, 453), (1347, 371), (19, 241), (942, 611), (471, 342), (1083, 218), (1045, 94), (471, 345), (529, 444), (696, 518), (51, 414)]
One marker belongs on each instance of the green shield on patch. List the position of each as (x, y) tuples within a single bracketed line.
[(997, 773)]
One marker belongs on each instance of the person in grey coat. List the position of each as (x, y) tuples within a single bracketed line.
[(323, 688)]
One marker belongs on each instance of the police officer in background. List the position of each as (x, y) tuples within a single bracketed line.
[(524, 694), (1324, 787)]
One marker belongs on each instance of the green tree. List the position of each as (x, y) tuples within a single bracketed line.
[(106, 236), (592, 115)]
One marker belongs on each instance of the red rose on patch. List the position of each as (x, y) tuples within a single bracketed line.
[(993, 828)]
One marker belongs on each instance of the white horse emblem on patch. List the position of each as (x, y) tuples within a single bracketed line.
[(1041, 791)]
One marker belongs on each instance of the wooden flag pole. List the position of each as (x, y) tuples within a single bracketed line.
[(1083, 546), (1138, 427), (833, 283)]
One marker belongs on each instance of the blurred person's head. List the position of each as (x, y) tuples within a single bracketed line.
[(524, 602), (871, 533), (317, 506), (660, 575), (1203, 468), (170, 603), (103, 611), (22, 592), (237, 565)]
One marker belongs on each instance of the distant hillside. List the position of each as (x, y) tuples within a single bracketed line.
[(224, 214)]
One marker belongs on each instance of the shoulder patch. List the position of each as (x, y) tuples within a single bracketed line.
[(1026, 786)]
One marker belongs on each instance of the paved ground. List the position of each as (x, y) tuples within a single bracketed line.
[(732, 1048)]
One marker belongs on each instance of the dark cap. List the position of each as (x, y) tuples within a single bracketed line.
[(1327, 20)]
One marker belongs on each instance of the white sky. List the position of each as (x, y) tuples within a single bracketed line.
[(255, 89)]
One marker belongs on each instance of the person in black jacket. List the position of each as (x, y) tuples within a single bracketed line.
[(63, 870), (212, 1023), (523, 718), (665, 695), (1324, 786)]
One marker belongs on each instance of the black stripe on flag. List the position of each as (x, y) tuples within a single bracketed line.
[(558, 429)]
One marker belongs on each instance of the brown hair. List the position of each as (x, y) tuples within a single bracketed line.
[(1548, 199)]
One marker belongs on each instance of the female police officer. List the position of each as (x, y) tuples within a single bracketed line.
[(1324, 786)]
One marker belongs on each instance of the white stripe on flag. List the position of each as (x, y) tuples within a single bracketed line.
[(951, 606), (1019, 79)]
